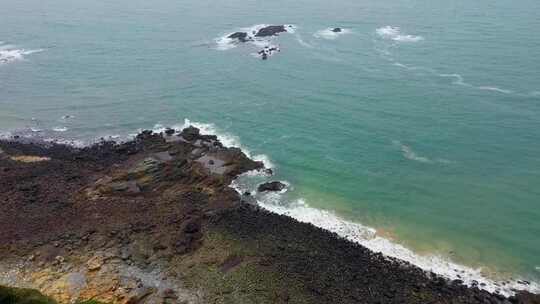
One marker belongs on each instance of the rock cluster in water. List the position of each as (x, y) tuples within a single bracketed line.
[(271, 30), (267, 31)]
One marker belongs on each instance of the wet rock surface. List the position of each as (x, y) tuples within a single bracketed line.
[(241, 36), (154, 220), (267, 31), (271, 186), (271, 30)]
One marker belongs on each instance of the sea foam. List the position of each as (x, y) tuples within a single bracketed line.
[(329, 34), (298, 209), (495, 89), (10, 53), (410, 154), (59, 129), (369, 237), (394, 33)]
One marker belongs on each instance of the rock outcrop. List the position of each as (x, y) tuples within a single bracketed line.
[(154, 220), (241, 36), (271, 30)]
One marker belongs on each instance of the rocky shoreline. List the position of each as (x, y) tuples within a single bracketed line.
[(154, 220)]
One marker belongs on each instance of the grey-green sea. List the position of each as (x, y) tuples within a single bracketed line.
[(414, 131)]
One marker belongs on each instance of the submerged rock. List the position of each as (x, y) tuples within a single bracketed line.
[(271, 186)]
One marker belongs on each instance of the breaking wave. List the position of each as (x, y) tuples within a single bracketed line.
[(371, 239)]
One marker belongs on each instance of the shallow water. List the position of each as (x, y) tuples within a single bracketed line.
[(421, 120)]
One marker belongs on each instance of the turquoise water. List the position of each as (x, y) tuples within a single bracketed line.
[(422, 120)]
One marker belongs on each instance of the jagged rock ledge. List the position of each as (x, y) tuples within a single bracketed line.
[(154, 220)]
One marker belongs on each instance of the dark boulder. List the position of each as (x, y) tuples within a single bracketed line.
[(241, 36), (192, 226), (190, 133), (271, 186), (169, 131), (271, 30), (337, 30)]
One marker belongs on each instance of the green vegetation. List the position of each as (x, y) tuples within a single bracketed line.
[(10, 295)]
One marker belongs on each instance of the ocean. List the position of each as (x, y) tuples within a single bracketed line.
[(414, 131)]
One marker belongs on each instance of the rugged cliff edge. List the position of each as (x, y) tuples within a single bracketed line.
[(154, 220)]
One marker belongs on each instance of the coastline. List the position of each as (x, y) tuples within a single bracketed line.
[(179, 191)]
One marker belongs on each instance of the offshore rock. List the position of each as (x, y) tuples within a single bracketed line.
[(271, 186)]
